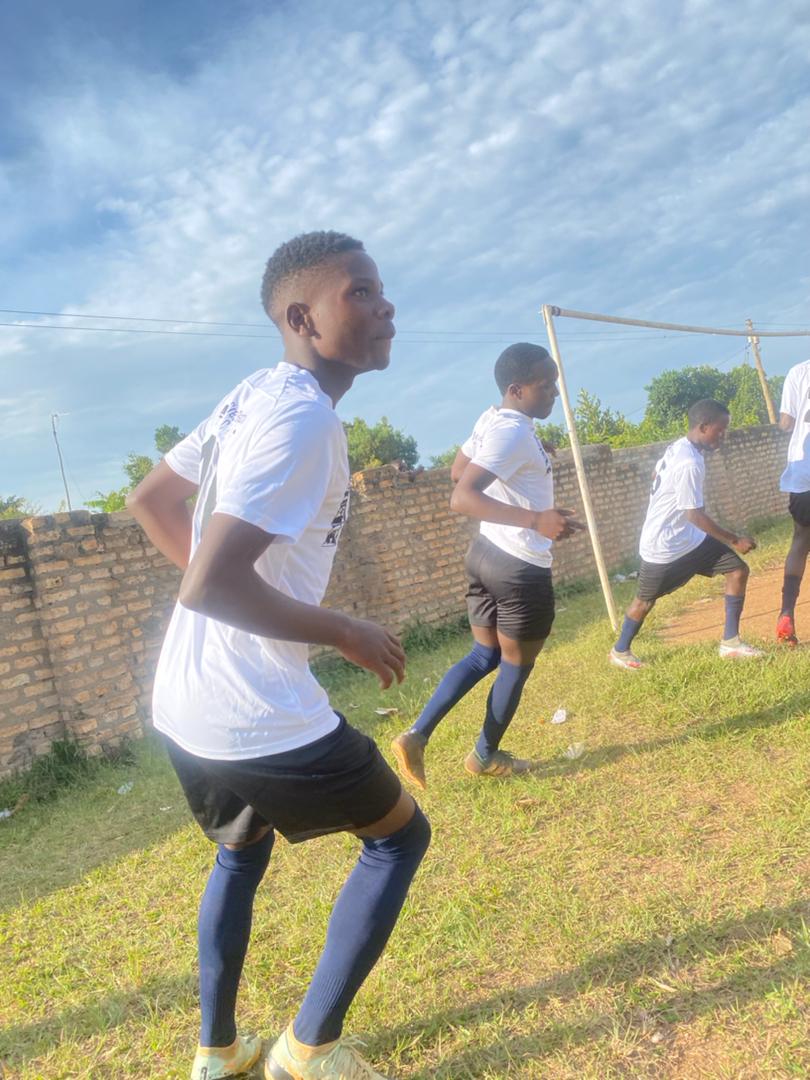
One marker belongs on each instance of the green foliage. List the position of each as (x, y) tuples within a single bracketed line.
[(669, 396), (110, 502), (166, 437), (370, 447), (444, 459), (671, 393), (137, 466), (15, 506)]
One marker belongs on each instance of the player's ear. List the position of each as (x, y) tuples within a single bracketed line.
[(299, 320)]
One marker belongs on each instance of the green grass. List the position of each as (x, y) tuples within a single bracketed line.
[(640, 912)]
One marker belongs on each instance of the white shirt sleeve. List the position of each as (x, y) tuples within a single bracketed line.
[(283, 478), (689, 489), (790, 394), (502, 451), (185, 458)]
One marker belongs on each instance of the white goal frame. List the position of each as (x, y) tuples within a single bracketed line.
[(550, 313)]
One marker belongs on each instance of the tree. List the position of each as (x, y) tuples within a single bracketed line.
[(671, 393), (370, 447), (137, 466), (447, 457), (15, 506), (747, 405)]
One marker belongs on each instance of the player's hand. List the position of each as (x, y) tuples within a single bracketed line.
[(557, 524), (744, 544), (374, 648)]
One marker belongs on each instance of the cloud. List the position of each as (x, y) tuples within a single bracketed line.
[(630, 160)]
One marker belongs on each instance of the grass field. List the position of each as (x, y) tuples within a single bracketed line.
[(643, 911)]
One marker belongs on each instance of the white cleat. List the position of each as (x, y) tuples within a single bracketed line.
[(737, 649), (624, 660)]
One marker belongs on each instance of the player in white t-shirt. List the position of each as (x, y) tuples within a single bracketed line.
[(680, 540), (794, 416), (250, 732), (504, 478)]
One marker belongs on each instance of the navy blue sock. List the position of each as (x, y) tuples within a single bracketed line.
[(790, 593), (223, 932), (457, 682), (361, 922), (734, 606), (630, 627), (502, 703)]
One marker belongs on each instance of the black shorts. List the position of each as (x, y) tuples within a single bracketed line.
[(710, 557), (339, 783), (799, 506), (514, 596)]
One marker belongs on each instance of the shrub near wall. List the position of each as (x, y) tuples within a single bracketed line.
[(84, 599)]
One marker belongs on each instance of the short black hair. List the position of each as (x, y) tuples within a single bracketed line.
[(706, 411), (299, 254), (518, 364)]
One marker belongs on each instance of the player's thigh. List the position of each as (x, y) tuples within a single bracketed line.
[(519, 653), (397, 818)]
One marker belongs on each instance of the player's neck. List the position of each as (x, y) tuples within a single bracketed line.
[(332, 377)]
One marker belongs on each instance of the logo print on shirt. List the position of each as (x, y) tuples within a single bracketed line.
[(338, 521), (229, 414), (542, 450)]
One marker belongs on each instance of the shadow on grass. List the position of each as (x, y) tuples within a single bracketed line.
[(657, 960), (53, 845), (25, 1042), (759, 719)]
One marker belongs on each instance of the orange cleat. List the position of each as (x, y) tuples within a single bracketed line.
[(786, 631)]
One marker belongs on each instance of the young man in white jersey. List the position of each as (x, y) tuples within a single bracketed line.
[(250, 732), (679, 539), (794, 416), (503, 477)]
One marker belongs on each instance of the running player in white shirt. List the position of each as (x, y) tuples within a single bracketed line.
[(504, 478), (794, 416), (251, 734), (679, 539)]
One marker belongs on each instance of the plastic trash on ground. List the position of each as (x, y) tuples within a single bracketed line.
[(560, 716), (126, 788), (574, 751), (386, 712)]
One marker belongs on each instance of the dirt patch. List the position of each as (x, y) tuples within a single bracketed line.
[(703, 620)]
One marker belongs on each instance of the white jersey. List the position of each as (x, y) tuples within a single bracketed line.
[(667, 534), (504, 442), (273, 453), (796, 403)]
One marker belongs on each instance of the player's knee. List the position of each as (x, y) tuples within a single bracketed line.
[(409, 843)]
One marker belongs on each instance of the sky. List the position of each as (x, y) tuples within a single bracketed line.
[(640, 159)]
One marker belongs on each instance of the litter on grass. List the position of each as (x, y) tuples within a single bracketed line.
[(126, 788), (386, 712), (574, 751), (560, 716), (6, 814)]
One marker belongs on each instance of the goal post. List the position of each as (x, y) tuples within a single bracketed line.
[(550, 313)]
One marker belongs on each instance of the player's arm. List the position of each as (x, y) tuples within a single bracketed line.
[(160, 506), (469, 498), (699, 518), (222, 583), (786, 422), (460, 463)]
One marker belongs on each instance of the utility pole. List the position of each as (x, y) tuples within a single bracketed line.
[(54, 417), (766, 390)]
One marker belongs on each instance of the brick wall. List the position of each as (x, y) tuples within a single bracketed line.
[(84, 599)]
